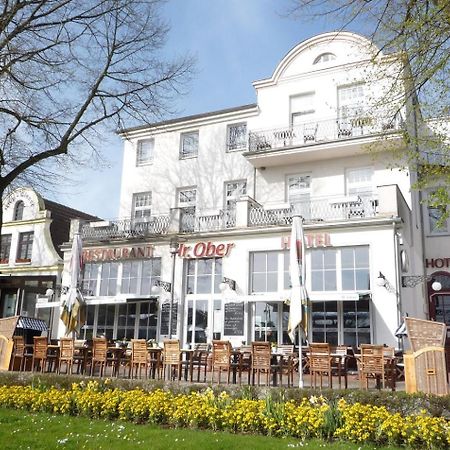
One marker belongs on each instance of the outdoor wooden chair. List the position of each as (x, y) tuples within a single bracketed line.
[(18, 353), (246, 360), (339, 363), (172, 359), (320, 363), (139, 358), (40, 353), (199, 361), (286, 363), (99, 355), (372, 365), (67, 355), (221, 359), (261, 361)]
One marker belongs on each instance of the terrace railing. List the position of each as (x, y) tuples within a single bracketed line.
[(192, 222), (126, 228), (317, 210), (321, 131)]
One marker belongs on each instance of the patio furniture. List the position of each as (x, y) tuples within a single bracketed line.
[(40, 354), (425, 368), (320, 363), (310, 132), (172, 359), (199, 361), (99, 355), (286, 362), (18, 353), (339, 363), (376, 361), (139, 358), (68, 355), (155, 362), (262, 361), (245, 355), (221, 358)]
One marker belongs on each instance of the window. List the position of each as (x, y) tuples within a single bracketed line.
[(142, 205), (18, 210), (298, 189), (356, 322), (139, 276), (323, 270), (264, 271), (359, 181), (351, 100), (355, 268), (343, 269), (233, 190), (5, 247), (144, 152), (189, 145), (108, 280), (435, 214), (187, 199), (25, 247), (325, 57), (90, 277), (203, 276), (237, 136), (325, 322), (302, 108)]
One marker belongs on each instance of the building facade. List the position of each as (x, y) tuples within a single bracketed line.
[(31, 261), (225, 185)]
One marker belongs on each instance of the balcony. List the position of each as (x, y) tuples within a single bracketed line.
[(385, 202), (339, 137), (125, 228)]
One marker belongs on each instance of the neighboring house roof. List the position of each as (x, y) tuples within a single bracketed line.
[(61, 216), (187, 118)]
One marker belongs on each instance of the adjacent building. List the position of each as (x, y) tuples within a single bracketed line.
[(207, 202)]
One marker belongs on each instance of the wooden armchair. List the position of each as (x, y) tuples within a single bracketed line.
[(40, 353), (262, 361), (99, 355), (221, 359), (172, 359), (139, 358), (68, 355), (199, 361), (286, 363), (320, 363), (18, 353), (374, 363)]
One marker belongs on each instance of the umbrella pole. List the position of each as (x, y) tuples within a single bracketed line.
[(300, 360)]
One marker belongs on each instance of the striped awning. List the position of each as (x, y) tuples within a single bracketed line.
[(31, 323)]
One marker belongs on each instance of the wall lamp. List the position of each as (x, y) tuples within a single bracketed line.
[(161, 286), (414, 280), (382, 281), (227, 283)]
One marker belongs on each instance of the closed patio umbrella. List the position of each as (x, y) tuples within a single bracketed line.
[(73, 313)]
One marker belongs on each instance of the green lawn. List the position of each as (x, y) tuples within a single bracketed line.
[(24, 430)]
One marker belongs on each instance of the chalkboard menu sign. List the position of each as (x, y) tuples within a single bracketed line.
[(165, 312), (234, 319)]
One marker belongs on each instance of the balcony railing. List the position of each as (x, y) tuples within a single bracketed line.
[(321, 132), (191, 222), (318, 210), (126, 228)]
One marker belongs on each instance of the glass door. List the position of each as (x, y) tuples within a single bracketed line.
[(8, 303)]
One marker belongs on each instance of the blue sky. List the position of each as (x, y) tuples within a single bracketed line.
[(235, 42)]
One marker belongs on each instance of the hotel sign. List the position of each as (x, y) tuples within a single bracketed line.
[(312, 240), (437, 263), (117, 253)]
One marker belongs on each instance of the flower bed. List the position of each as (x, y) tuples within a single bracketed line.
[(313, 417)]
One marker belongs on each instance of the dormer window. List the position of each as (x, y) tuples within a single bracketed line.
[(18, 210), (325, 57)]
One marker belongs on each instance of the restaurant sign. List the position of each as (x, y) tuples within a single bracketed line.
[(204, 250), (117, 253)]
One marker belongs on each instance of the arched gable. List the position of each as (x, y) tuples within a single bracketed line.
[(345, 46)]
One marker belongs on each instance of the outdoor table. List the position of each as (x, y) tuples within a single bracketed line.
[(117, 354), (154, 354)]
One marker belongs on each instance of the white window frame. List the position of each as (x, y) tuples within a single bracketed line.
[(183, 138), (233, 141), (144, 154), (324, 58), (231, 195), (442, 231), (305, 113), (142, 205), (365, 187), (354, 105), (187, 202)]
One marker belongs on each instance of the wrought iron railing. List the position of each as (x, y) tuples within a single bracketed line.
[(192, 222), (318, 210), (321, 131), (126, 228)]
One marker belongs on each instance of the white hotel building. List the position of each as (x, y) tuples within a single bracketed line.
[(225, 185)]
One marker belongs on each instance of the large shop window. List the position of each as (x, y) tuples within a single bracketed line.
[(346, 322), (204, 314), (340, 269), (127, 277)]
